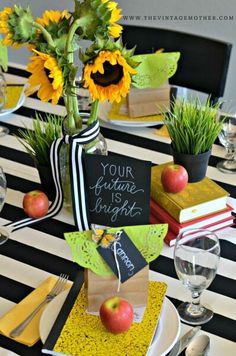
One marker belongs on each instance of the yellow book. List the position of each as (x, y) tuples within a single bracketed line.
[(196, 200), (83, 334)]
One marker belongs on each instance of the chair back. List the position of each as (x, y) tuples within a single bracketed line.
[(203, 63)]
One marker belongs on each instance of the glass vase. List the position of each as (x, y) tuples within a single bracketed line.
[(3, 129), (97, 146)]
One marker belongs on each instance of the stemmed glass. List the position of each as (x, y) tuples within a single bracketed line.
[(227, 136), (3, 190), (196, 259)]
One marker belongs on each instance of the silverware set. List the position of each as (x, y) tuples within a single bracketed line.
[(195, 346)]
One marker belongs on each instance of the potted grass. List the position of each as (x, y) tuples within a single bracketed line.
[(193, 128), (37, 142)]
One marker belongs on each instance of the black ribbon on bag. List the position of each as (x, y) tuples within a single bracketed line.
[(76, 166)]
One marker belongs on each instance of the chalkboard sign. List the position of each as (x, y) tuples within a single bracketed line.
[(118, 190)]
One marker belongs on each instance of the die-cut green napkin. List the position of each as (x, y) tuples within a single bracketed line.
[(147, 238), (155, 69)]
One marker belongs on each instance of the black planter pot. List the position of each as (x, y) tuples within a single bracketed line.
[(195, 165), (46, 179)]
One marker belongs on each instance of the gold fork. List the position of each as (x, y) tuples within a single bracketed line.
[(57, 288)]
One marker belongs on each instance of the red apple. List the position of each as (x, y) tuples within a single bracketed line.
[(116, 315), (174, 178), (35, 204)]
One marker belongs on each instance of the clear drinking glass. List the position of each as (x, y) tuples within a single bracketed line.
[(196, 259), (3, 130), (227, 136), (3, 189)]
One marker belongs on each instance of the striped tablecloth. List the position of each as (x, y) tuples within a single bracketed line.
[(33, 254)]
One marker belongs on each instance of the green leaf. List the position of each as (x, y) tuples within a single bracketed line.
[(37, 141)]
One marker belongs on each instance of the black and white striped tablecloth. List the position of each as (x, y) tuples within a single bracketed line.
[(33, 254)]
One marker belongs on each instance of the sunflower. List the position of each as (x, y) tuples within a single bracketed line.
[(46, 77), (114, 28), (17, 25), (52, 16), (98, 18), (108, 77), (5, 28), (57, 24)]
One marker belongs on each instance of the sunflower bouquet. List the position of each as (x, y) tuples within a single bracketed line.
[(54, 38)]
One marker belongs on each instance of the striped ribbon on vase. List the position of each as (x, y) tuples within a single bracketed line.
[(76, 166)]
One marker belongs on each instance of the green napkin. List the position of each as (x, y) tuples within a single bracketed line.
[(155, 69), (147, 238)]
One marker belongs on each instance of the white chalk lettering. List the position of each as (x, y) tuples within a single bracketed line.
[(104, 167), (121, 171), (124, 258), (125, 209), (115, 185)]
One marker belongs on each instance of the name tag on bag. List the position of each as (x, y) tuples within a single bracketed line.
[(121, 254)]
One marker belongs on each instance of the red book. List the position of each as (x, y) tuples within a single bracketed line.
[(164, 217), (171, 236)]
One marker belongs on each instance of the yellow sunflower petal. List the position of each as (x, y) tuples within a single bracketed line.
[(52, 16), (47, 75), (115, 30)]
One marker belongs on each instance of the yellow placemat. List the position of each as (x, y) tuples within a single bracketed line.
[(13, 96), (83, 334), (118, 112), (162, 132)]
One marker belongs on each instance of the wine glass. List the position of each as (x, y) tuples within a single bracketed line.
[(196, 259), (3, 129), (3, 189), (227, 136)]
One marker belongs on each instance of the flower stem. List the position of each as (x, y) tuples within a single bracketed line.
[(69, 109), (94, 112), (45, 33), (72, 103)]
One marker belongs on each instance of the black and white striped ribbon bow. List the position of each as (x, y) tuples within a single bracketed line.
[(76, 175)]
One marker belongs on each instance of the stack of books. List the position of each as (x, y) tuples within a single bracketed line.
[(199, 205)]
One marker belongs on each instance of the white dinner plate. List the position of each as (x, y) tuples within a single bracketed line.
[(105, 107), (5, 352), (166, 335), (167, 332), (4, 112)]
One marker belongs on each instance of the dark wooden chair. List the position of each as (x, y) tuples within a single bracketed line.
[(203, 64)]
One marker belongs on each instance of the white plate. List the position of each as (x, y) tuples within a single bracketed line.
[(105, 107), (165, 337), (5, 352), (167, 332), (8, 111)]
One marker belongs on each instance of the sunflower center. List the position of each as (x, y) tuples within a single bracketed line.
[(47, 72), (112, 75)]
